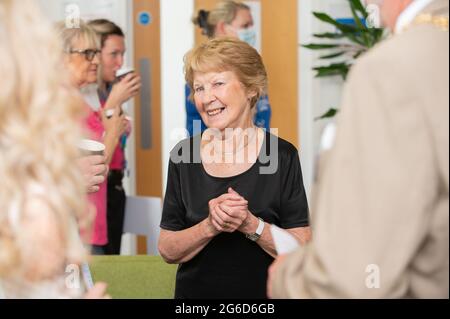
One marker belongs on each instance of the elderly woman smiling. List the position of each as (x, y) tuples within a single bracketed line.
[(217, 209)]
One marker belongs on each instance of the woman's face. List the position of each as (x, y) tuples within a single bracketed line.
[(222, 100), (242, 21), (82, 70), (112, 57)]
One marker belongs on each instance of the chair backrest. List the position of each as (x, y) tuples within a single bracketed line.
[(142, 217)]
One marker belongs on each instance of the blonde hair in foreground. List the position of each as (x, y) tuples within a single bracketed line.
[(228, 54), (39, 130)]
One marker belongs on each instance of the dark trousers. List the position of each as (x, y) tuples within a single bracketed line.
[(97, 250), (115, 212)]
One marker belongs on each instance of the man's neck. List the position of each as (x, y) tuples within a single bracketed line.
[(409, 14)]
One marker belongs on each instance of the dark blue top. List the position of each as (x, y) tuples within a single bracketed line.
[(262, 116)]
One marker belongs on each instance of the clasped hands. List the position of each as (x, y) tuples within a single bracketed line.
[(229, 212)]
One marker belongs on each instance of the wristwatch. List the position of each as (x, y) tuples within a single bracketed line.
[(255, 236)]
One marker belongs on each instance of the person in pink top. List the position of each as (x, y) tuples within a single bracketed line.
[(81, 57), (112, 92)]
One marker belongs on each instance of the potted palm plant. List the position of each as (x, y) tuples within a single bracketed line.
[(345, 44)]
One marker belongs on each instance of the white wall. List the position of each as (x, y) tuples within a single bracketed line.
[(177, 37)]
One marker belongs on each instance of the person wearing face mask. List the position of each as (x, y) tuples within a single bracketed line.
[(380, 218), (232, 19)]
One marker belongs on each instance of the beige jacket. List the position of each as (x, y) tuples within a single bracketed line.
[(381, 218)]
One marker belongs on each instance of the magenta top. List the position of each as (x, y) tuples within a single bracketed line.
[(95, 127)]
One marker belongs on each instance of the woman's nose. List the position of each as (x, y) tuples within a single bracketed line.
[(119, 61), (96, 59), (208, 96)]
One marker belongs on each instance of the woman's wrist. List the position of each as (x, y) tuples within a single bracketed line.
[(208, 229), (250, 224)]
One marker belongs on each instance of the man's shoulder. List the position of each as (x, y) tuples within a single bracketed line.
[(424, 43)]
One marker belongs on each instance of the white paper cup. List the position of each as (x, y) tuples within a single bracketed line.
[(91, 147), (110, 112), (123, 72)]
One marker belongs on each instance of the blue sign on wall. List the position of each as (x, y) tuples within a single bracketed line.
[(350, 21), (144, 18)]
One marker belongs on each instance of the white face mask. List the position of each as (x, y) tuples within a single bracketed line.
[(247, 35)]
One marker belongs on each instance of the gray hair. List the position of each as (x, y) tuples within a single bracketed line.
[(69, 35)]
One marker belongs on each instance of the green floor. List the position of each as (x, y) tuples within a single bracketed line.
[(146, 277)]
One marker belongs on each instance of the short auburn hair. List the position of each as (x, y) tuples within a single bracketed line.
[(228, 54)]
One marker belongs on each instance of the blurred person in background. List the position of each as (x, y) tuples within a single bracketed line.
[(43, 193), (113, 91), (380, 218), (230, 19), (81, 58)]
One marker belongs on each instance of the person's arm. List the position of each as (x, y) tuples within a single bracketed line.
[(177, 247), (293, 212), (122, 91), (115, 126), (374, 198), (178, 243), (44, 247), (302, 234), (250, 225)]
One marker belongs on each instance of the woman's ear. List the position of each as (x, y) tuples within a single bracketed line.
[(251, 94), (220, 29)]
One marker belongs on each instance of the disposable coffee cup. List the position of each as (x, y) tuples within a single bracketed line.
[(120, 74), (110, 112), (91, 147)]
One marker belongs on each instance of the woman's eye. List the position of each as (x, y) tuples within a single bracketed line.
[(219, 83), (198, 89)]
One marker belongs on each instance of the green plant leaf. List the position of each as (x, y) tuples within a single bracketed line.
[(328, 114), (364, 36), (358, 54), (329, 35), (360, 39), (315, 46), (327, 19), (332, 70), (359, 7), (357, 19), (348, 31), (334, 55)]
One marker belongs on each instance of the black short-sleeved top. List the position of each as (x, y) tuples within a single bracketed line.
[(232, 266)]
